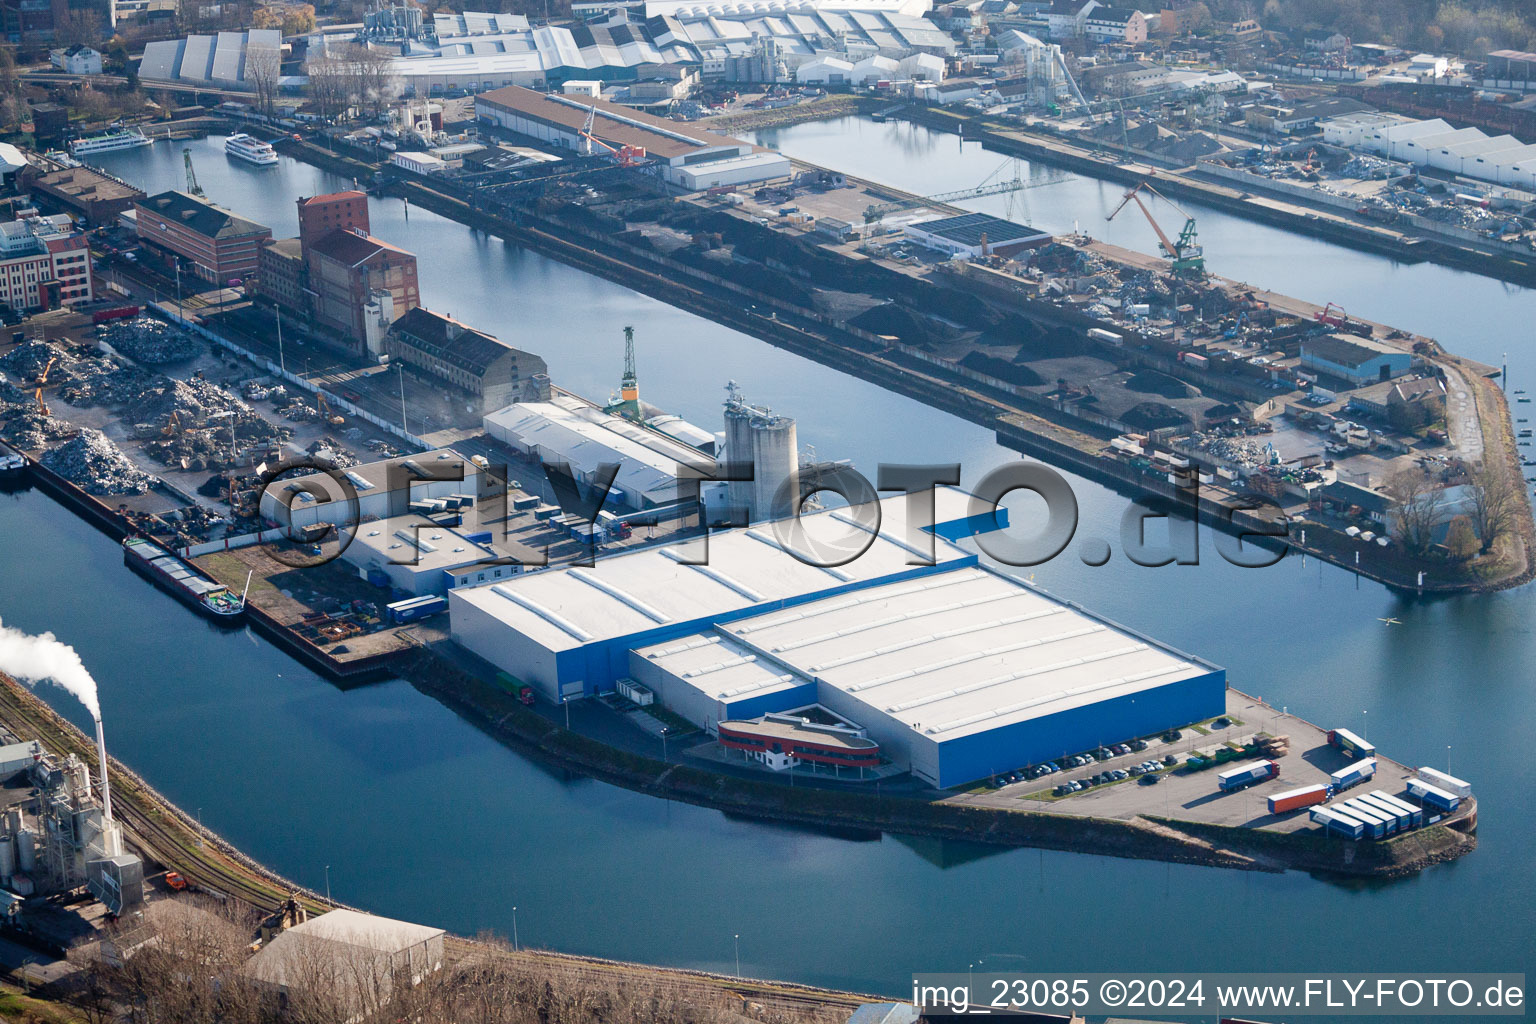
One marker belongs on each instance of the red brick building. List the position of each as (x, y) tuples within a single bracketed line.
[(339, 211), (220, 246), (345, 268)]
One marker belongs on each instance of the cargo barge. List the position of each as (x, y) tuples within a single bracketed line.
[(188, 584)]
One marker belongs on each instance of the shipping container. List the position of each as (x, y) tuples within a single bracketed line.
[(1415, 814), (1403, 818), (1351, 744), (525, 502), (1433, 796), (1446, 783), (1247, 775), (480, 537), (1362, 809), (635, 692), (546, 512), (1297, 798), (416, 608), (1099, 334), (1195, 360), (1352, 774), (1335, 820), (1378, 825)]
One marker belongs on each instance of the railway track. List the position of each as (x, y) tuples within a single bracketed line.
[(165, 836), (156, 828)]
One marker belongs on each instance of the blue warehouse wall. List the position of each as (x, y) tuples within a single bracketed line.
[(782, 700), (984, 754)]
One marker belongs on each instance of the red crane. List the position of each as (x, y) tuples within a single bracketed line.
[(628, 156)]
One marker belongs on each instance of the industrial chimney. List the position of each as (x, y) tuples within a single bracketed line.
[(106, 787)]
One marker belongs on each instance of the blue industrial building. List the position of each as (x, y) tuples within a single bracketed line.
[(958, 671), (1354, 359)]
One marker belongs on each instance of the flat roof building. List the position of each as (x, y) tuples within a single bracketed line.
[(420, 557), (957, 672), (384, 488), (96, 196), (958, 675), (687, 156), (968, 234)]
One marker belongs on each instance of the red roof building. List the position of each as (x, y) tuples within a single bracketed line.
[(784, 740)]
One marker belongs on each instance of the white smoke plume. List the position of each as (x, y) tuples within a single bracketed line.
[(33, 659)]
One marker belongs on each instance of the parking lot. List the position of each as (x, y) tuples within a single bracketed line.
[(1180, 793)]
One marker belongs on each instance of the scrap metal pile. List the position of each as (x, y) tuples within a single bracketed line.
[(94, 463), (1236, 451), (147, 340)]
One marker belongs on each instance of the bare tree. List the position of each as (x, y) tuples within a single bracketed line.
[(373, 80), (1419, 509), (328, 83), (1495, 506), (263, 72), (80, 26)]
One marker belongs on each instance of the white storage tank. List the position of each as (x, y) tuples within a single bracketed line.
[(26, 851), (738, 448), (775, 465), (7, 857)]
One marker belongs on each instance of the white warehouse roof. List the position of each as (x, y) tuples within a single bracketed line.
[(573, 431), (562, 609), (220, 60), (947, 655)]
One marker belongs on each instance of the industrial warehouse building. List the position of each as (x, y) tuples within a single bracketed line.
[(420, 557), (384, 489), (229, 60), (566, 429), (1354, 359), (975, 234), (956, 671), (688, 157)]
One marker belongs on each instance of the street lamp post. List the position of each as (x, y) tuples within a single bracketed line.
[(664, 756), (738, 955), (514, 928), (328, 883), (402, 398), (199, 827)]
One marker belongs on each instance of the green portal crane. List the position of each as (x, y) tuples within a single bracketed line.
[(1186, 253)]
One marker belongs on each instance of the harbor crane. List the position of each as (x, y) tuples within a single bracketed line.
[(629, 386), (1017, 183), (1186, 253), (193, 188), (627, 155)]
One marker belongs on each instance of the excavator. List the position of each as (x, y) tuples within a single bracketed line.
[(42, 378), (172, 425), (328, 414), (1186, 253)]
